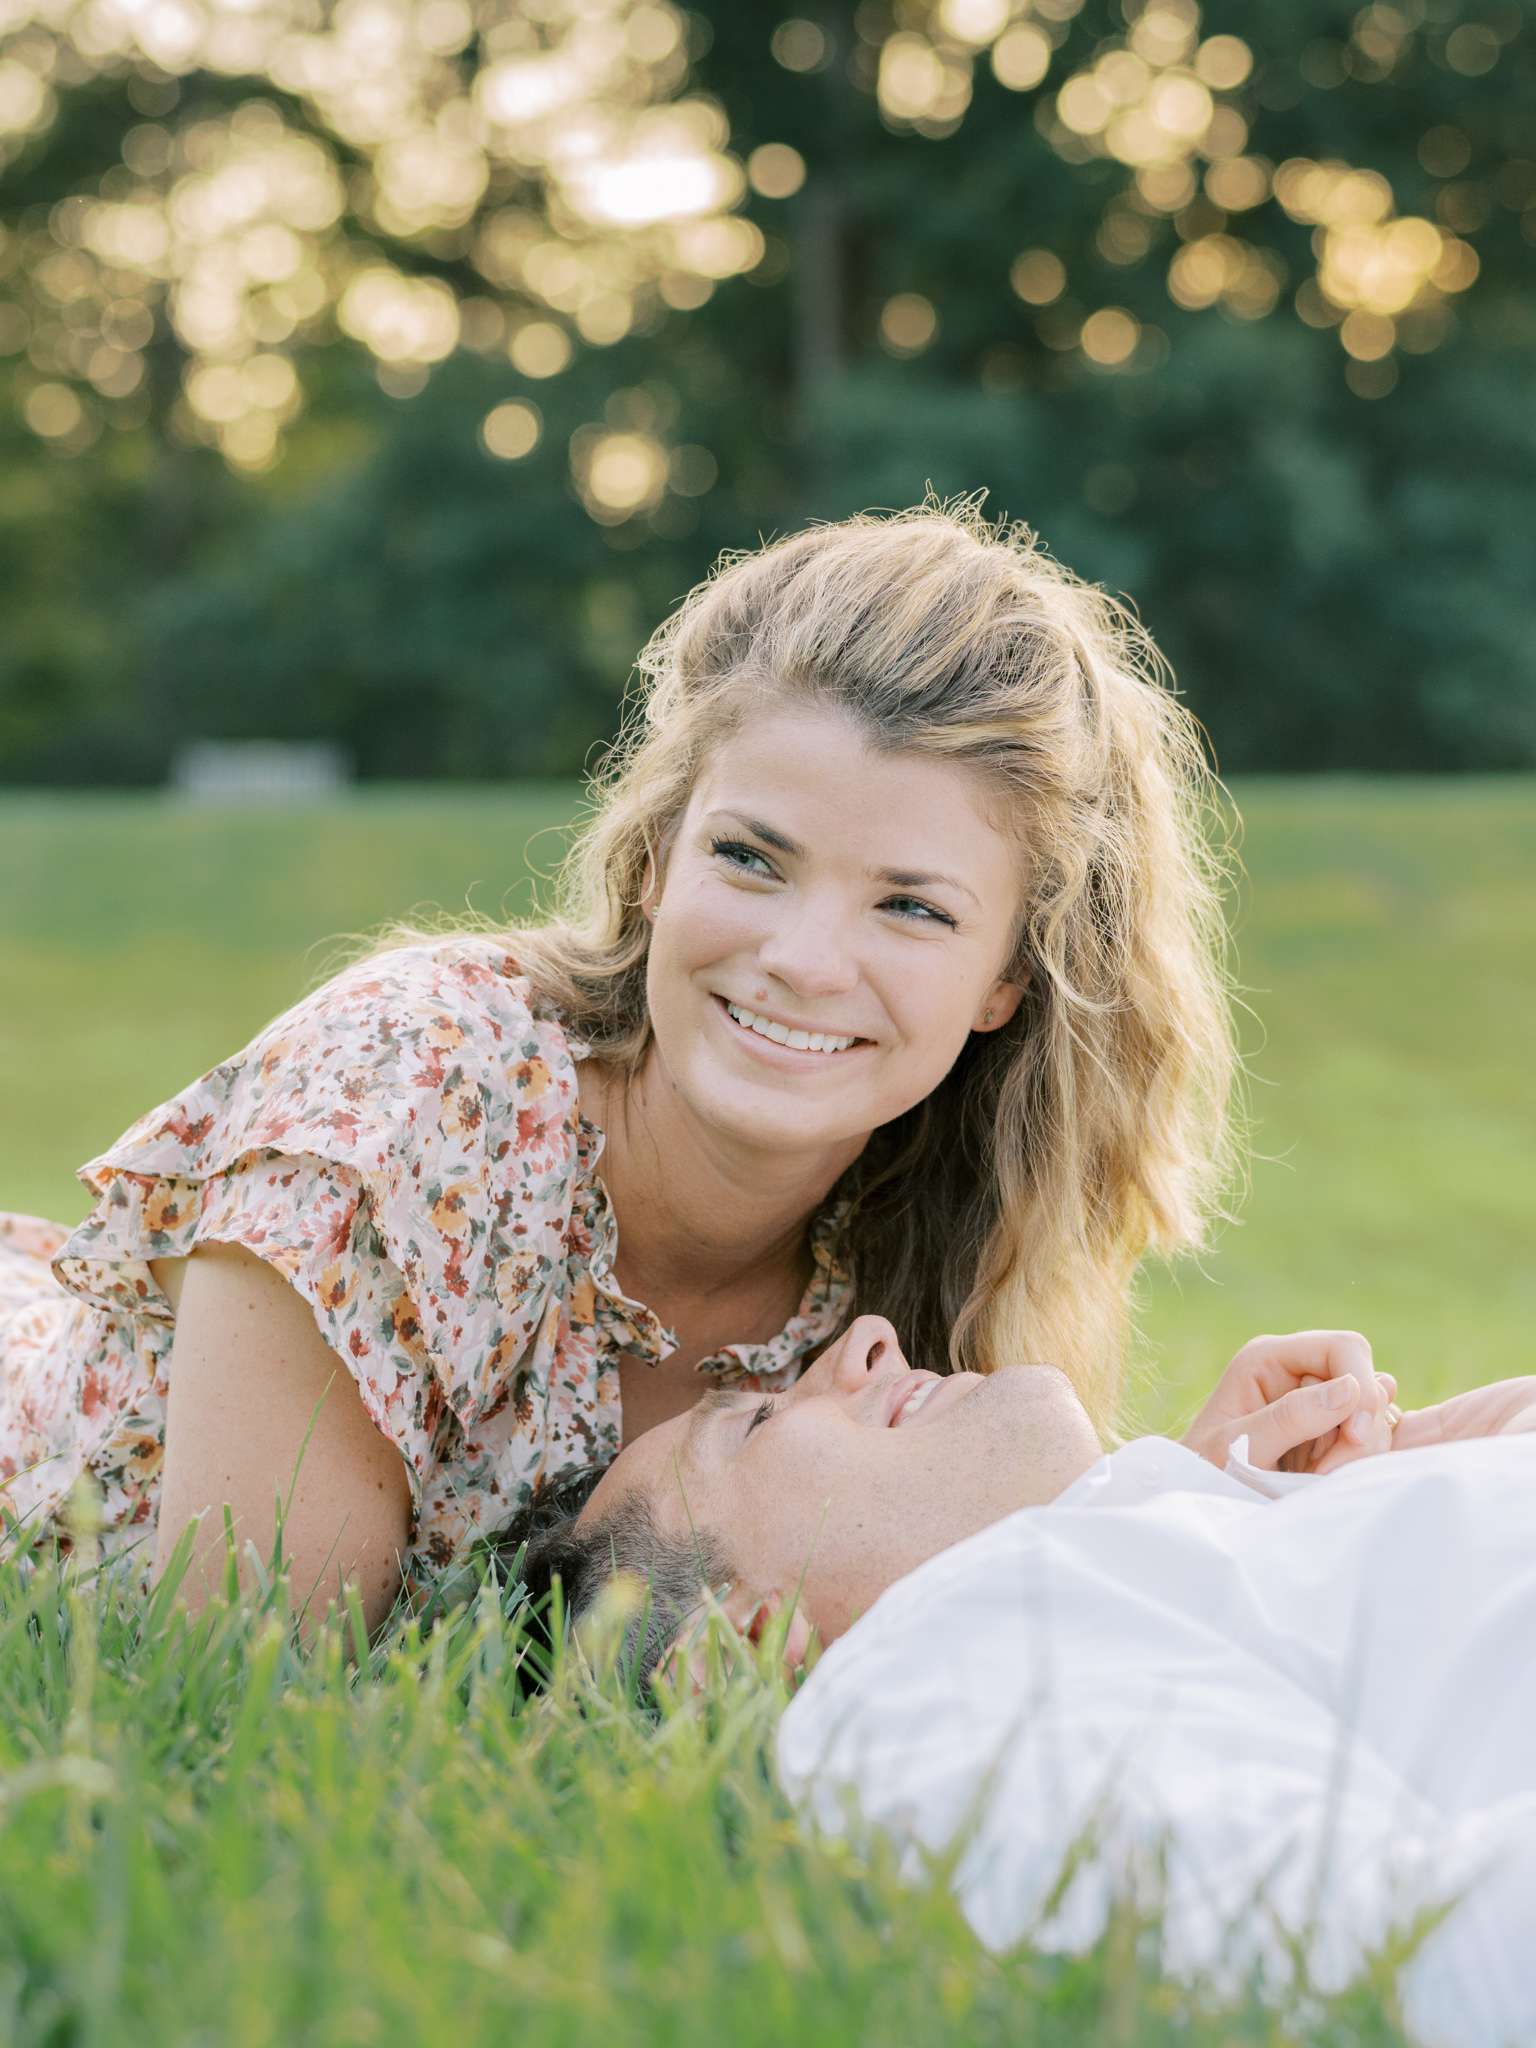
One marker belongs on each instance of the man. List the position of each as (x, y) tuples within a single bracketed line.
[(865, 1469), (1291, 1710)]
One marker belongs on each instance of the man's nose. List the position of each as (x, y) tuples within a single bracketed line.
[(868, 1344)]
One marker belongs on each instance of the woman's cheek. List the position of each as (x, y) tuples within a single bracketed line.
[(713, 921)]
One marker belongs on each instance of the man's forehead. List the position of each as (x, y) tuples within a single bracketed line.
[(668, 1450)]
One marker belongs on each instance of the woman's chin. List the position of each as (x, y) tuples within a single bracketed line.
[(769, 1115)]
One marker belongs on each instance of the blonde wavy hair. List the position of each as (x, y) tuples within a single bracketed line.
[(1002, 1218)]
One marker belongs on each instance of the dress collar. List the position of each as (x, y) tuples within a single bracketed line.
[(627, 1325)]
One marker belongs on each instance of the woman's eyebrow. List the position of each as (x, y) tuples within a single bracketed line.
[(899, 878)]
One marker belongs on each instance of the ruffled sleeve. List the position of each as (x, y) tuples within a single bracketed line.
[(402, 1147)]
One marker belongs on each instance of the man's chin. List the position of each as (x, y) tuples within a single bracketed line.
[(1027, 1437)]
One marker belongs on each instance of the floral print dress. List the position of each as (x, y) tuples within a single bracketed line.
[(406, 1147)]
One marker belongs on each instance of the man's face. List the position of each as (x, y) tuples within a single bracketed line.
[(860, 1473), (778, 904)]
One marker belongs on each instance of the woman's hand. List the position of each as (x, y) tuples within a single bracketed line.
[(1506, 1408), (1299, 1400)]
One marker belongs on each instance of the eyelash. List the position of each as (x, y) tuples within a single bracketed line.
[(760, 1414), (930, 914)]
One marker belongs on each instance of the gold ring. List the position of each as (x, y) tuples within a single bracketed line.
[(1394, 1415)]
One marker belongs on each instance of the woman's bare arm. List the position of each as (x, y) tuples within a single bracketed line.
[(248, 1368)]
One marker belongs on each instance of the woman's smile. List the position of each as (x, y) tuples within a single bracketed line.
[(760, 1033), (802, 938)]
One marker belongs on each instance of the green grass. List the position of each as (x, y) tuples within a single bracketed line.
[(1387, 941), (211, 1842), (207, 1841)]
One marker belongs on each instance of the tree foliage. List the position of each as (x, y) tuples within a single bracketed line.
[(388, 382)]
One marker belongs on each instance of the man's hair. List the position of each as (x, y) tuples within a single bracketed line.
[(676, 1571)]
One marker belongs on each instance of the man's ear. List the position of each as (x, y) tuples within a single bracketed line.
[(757, 1617), (763, 1617)]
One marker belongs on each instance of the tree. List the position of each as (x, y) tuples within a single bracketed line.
[(1228, 303)]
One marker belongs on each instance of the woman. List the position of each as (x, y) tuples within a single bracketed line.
[(887, 979)]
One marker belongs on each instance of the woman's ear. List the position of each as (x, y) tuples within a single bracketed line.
[(999, 1004), (649, 892), (653, 882)]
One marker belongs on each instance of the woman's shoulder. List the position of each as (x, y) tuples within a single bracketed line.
[(461, 982), (474, 979), (435, 1047), (404, 1145)]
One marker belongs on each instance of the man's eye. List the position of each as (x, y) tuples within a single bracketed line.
[(760, 1414)]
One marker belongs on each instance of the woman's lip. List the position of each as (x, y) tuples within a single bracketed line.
[(770, 1046)]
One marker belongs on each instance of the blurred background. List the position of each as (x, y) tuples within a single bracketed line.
[(375, 376)]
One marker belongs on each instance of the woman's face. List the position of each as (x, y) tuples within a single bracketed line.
[(814, 883)]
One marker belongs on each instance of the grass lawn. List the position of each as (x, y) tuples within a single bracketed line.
[(1387, 944), (206, 1842)]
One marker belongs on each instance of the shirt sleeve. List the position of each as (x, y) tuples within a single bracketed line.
[(401, 1147)]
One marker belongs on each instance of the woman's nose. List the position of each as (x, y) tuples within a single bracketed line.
[(807, 952)]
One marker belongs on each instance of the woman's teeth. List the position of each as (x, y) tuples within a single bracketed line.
[(803, 1041)]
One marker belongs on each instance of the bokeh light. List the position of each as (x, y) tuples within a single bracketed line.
[(1109, 337), (1038, 277), (555, 148), (799, 45), (511, 430), (693, 470), (775, 170), (540, 349), (1021, 58), (425, 176), (618, 473), (908, 323)]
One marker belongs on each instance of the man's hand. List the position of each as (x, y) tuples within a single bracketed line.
[(1300, 1399)]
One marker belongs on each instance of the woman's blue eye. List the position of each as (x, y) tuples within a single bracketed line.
[(924, 912), (917, 913), (732, 846)]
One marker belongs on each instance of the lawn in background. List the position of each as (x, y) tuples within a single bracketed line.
[(208, 1840), (1386, 941)]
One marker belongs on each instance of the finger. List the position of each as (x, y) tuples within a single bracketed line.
[(1304, 1458), (1368, 1426), (1281, 1363), (1299, 1417), (1389, 1381), (1343, 1453), (1364, 1435)]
